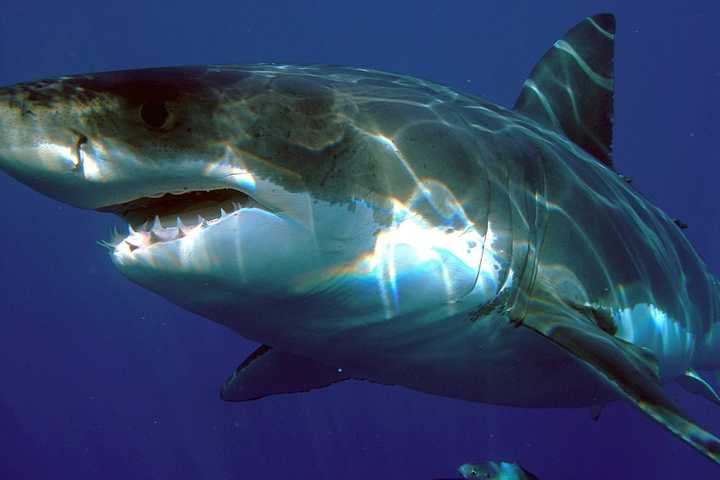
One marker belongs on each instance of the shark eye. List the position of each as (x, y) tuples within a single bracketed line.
[(154, 114)]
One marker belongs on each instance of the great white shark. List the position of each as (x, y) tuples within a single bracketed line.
[(361, 224)]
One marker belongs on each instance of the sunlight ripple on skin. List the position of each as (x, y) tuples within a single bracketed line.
[(411, 234)]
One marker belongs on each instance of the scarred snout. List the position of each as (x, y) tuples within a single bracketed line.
[(41, 144)]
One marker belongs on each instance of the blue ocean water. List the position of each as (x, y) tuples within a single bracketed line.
[(102, 379)]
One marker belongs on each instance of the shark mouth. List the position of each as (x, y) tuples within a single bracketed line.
[(168, 216)]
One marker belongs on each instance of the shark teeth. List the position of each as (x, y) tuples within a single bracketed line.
[(155, 237), (151, 233), (181, 228)]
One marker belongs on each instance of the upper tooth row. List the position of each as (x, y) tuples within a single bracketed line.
[(157, 225)]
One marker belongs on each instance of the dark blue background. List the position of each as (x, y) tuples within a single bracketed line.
[(102, 379)]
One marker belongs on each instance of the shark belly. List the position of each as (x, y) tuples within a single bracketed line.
[(485, 361), (515, 368)]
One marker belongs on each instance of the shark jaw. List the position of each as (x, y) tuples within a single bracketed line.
[(185, 226), (171, 217), (220, 254)]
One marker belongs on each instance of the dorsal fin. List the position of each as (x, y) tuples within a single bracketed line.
[(572, 87)]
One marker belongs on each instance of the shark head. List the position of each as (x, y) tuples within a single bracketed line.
[(260, 197)]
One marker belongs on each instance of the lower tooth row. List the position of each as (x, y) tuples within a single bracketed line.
[(156, 225), (150, 233), (157, 233)]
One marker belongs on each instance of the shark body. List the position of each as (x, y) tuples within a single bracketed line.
[(361, 224)]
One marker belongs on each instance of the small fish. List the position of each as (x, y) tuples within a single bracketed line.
[(495, 471)]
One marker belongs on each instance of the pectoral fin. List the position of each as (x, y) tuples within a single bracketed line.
[(621, 367), (694, 383), (269, 372)]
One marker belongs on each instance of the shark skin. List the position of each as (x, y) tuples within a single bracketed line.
[(368, 225)]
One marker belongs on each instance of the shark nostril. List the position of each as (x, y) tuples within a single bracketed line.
[(82, 140)]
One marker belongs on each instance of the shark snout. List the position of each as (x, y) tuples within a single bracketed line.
[(43, 145), (41, 157)]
